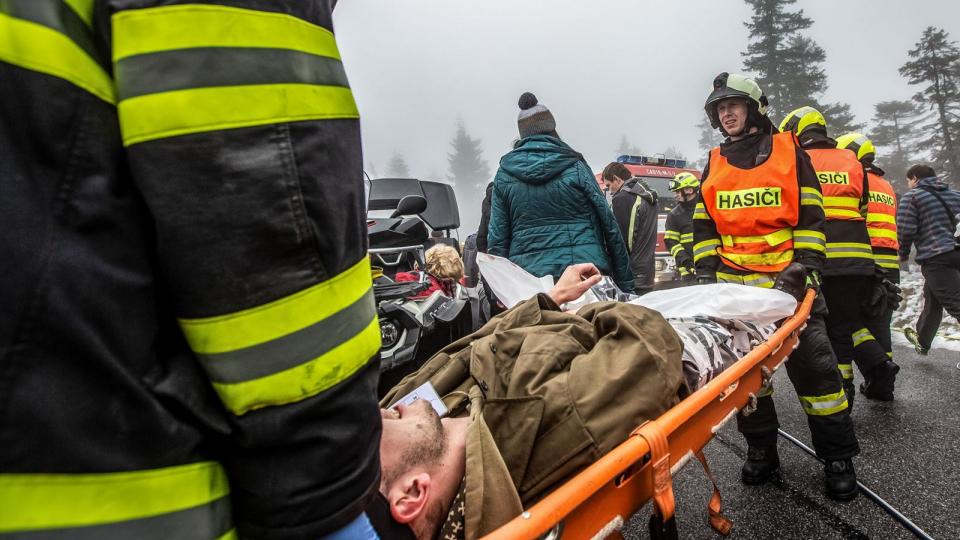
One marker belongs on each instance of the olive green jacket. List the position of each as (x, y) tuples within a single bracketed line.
[(549, 393)]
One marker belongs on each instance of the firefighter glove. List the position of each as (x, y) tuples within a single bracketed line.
[(795, 280)]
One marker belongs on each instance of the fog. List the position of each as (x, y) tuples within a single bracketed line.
[(604, 68)]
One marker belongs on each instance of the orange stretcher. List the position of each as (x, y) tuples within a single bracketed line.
[(600, 499)]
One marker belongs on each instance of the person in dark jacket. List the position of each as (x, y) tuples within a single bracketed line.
[(927, 217), (548, 212), (634, 206), (483, 230), (678, 233), (189, 345)]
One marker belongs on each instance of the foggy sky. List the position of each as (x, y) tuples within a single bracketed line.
[(604, 68)]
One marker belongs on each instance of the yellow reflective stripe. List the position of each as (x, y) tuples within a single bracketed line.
[(700, 212), (38, 48), (881, 233), (50, 501), (231, 535), (169, 114), (810, 197), (705, 249), (142, 31), (884, 264), (836, 250), (774, 239), (83, 8), (745, 259), (807, 239), (671, 235), (637, 203), (677, 248), (846, 371), (885, 256), (683, 271), (842, 202), (841, 213), (877, 217), (276, 319), (862, 336), (890, 354), (824, 405), (305, 380), (686, 237), (761, 280)]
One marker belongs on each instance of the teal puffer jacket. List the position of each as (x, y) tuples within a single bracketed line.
[(548, 213)]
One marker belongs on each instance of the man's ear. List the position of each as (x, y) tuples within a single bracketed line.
[(408, 496)]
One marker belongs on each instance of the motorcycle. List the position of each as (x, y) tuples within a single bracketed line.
[(411, 329)]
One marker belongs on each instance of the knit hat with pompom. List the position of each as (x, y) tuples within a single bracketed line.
[(534, 118)]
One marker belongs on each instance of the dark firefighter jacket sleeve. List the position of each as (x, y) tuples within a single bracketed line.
[(705, 236), (673, 236), (243, 137)]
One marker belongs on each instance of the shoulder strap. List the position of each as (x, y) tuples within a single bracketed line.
[(946, 208)]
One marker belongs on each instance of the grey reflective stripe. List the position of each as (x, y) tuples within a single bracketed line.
[(816, 197), (293, 349), (57, 15), (753, 280), (846, 370), (809, 239), (205, 522), (637, 203), (223, 66), (707, 248), (848, 249)]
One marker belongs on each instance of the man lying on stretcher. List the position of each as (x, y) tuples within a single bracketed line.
[(534, 396)]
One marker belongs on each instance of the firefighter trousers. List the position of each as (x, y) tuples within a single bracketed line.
[(812, 369), (852, 341)]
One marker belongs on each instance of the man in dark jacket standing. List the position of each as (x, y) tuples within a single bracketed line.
[(635, 209), (927, 217)]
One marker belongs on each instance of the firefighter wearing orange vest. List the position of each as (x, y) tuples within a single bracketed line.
[(850, 269), (759, 221), (882, 229)]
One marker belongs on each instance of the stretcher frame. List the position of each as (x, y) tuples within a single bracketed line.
[(600, 499)]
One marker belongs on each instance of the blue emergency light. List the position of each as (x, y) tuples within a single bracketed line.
[(653, 160)]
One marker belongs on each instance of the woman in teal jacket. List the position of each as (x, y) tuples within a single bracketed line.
[(548, 211)]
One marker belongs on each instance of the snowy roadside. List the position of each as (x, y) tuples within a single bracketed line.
[(912, 285)]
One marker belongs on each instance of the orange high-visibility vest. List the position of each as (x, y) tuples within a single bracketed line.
[(881, 213), (841, 180), (755, 209)]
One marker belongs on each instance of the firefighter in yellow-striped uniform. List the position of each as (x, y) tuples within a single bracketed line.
[(882, 228), (850, 269), (188, 340), (759, 221), (678, 233)]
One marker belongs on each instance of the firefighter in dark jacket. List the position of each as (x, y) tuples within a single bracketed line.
[(678, 233), (759, 222), (188, 340), (882, 229), (634, 206), (850, 272)]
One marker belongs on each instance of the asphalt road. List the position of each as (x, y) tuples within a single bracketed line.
[(910, 456)]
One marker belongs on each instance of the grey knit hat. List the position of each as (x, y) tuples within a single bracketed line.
[(534, 118)]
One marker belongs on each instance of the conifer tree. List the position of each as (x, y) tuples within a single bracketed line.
[(788, 65), (935, 64), (469, 173), (628, 149), (894, 132), (397, 168)]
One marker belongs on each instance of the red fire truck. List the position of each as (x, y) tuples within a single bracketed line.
[(657, 171)]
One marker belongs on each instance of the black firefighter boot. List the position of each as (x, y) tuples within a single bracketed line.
[(840, 480), (762, 462), (879, 385)]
